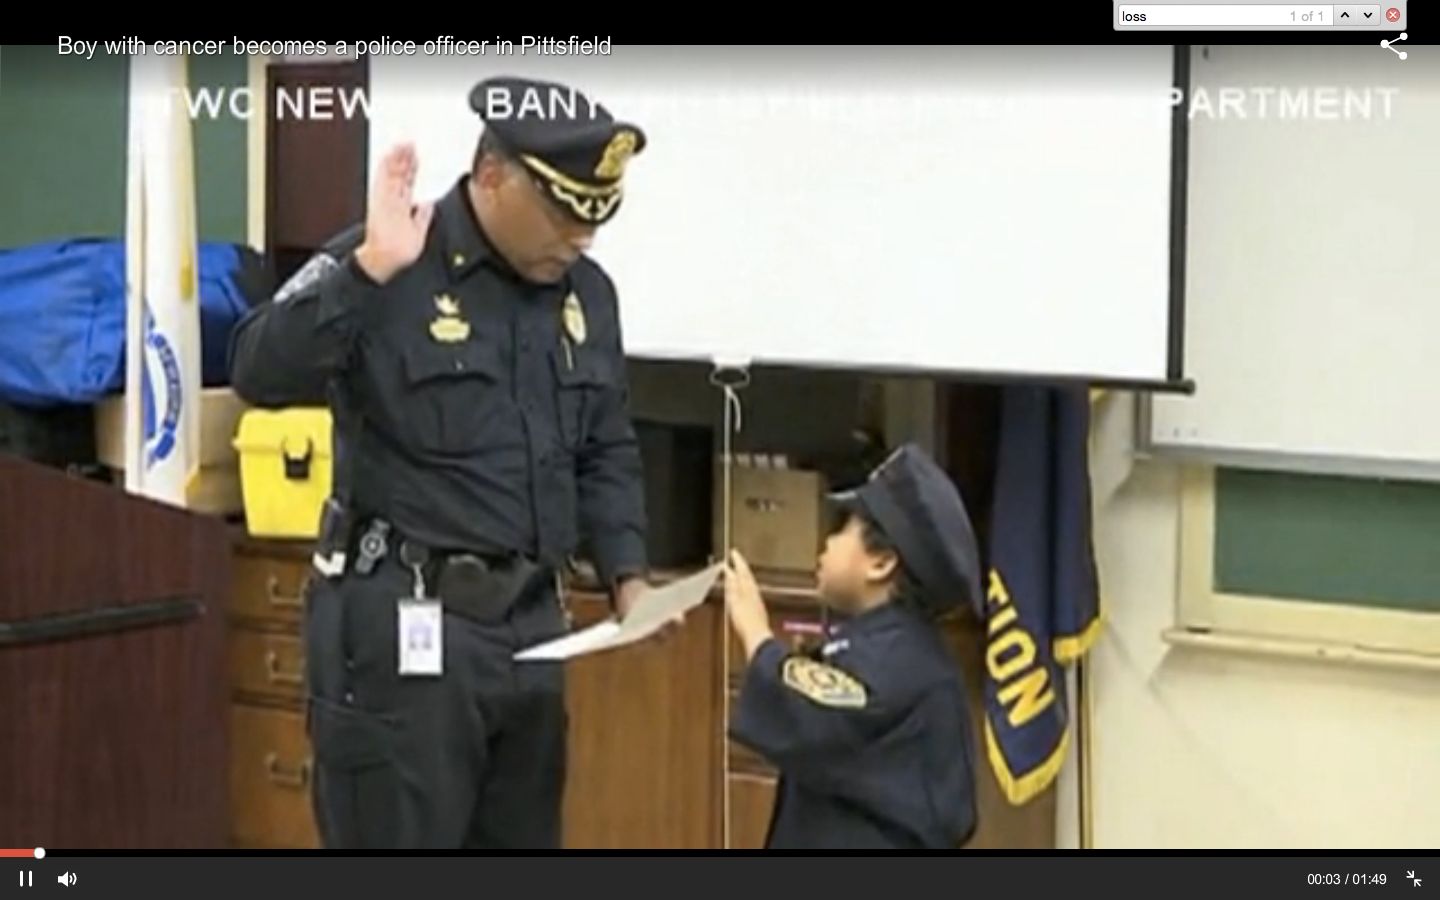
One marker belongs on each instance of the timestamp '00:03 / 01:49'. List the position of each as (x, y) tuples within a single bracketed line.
[(1345, 878)]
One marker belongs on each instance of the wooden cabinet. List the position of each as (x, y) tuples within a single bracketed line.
[(752, 799), (112, 668), (650, 765), (644, 738), (270, 766)]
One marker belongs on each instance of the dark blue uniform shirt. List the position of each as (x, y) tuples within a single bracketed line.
[(872, 737), (475, 411)]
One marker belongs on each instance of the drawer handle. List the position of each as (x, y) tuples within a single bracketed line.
[(278, 675), (279, 600), (295, 779)]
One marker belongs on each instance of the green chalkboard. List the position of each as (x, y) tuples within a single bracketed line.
[(221, 153), (62, 148), (1328, 539)]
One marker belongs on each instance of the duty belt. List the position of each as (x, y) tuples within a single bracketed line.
[(479, 587)]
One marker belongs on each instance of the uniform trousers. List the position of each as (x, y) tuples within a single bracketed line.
[(471, 759)]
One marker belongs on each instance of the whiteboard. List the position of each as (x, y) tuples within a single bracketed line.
[(1313, 264), (943, 209)]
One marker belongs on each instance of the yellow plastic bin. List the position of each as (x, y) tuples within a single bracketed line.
[(285, 470)]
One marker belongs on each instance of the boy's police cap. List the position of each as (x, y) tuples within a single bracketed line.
[(575, 149), (920, 510)]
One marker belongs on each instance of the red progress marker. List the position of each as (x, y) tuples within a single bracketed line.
[(31, 853)]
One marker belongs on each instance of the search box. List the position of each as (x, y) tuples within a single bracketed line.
[(1222, 16)]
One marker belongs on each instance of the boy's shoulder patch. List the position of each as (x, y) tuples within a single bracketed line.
[(825, 684)]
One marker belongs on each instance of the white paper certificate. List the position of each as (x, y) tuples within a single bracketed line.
[(656, 606)]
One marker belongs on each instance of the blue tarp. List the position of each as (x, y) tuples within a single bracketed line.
[(62, 318)]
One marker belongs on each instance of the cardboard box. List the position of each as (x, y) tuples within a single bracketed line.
[(218, 490), (778, 515)]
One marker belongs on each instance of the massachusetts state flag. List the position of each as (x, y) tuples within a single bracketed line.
[(162, 347), (1042, 605)]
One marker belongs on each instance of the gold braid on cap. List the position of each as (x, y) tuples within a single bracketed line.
[(590, 209), (570, 184)]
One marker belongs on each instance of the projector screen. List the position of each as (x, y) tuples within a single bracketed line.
[(981, 210)]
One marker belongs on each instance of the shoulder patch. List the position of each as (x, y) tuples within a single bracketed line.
[(823, 683), (316, 268)]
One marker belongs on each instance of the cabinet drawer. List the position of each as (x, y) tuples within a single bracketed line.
[(270, 779), (752, 801), (268, 665), (270, 589), (744, 761)]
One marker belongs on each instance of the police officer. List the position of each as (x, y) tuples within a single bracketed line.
[(471, 355), (871, 731)]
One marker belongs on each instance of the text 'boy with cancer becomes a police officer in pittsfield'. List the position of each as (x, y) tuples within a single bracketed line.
[(872, 732), (471, 355)]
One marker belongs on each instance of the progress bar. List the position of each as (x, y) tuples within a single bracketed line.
[(27, 853)]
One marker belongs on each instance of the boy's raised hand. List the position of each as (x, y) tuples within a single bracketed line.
[(745, 606)]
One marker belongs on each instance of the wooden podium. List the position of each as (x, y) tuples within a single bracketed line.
[(113, 701)]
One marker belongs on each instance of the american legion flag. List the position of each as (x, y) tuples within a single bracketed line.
[(162, 337), (1042, 606)]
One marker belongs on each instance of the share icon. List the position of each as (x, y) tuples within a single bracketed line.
[(1400, 53)]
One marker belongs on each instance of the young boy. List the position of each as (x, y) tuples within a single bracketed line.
[(872, 733)]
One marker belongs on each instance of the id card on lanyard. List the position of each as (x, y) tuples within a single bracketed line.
[(421, 637)]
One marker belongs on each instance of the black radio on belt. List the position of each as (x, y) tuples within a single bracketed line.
[(374, 543)]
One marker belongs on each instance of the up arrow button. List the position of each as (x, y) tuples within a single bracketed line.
[(1357, 16)]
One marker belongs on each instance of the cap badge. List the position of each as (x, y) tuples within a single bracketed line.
[(617, 154)]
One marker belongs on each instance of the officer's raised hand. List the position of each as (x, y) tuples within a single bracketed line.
[(395, 225)]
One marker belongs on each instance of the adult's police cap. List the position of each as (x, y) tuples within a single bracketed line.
[(576, 149), (921, 511)]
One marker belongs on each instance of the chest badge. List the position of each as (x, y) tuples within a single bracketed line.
[(574, 319), (448, 327)]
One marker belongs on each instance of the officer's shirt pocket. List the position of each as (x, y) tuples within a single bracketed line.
[(456, 393), (581, 375)]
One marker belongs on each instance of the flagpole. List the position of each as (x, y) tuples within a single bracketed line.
[(134, 280), (1082, 725), (182, 151), (730, 376)]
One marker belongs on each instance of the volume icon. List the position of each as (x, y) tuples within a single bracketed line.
[(67, 879)]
